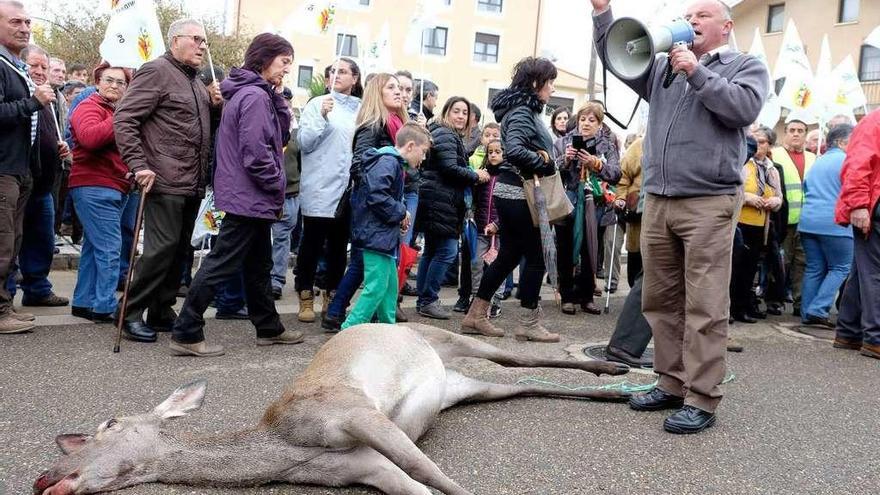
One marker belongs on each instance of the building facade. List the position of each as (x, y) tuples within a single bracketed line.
[(470, 52), (846, 22)]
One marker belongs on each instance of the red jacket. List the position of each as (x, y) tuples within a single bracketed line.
[(96, 160), (860, 175)]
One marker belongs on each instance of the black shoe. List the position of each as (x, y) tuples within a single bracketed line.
[(138, 331), (462, 305), (276, 293), (621, 356), (591, 308), (241, 314), (182, 291), (81, 312), (743, 317), (818, 321), (796, 312), (103, 317), (408, 290), (756, 313), (52, 300), (688, 419), (655, 400), (774, 309), (332, 323)]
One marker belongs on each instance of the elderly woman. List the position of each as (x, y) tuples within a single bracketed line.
[(828, 246), (584, 156), (99, 184), (249, 185)]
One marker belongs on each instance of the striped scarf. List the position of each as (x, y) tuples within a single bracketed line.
[(21, 69)]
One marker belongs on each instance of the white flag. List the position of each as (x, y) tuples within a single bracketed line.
[(312, 18), (792, 59), (873, 39), (823, 84), (771, 110), (133, 36), (377, 56), (848, 92), (424, 17)]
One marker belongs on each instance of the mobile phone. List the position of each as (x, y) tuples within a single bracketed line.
[(580, 143)]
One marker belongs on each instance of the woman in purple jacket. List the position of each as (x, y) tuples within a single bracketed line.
[(249, 185)]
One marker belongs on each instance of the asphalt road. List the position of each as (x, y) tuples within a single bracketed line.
[(799, 417)]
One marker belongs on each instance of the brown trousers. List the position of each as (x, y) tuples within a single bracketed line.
[(687, 245), (14, 193)]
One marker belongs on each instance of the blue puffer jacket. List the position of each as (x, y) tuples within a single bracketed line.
[(377, 201)]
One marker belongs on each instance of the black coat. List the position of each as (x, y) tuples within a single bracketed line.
[(19, 156), (367, 138), (445, 176), (523, 133), (377, 206)]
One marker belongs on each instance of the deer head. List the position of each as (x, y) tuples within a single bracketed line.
[(124, 451)]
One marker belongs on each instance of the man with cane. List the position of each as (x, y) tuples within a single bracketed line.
[(163, 131), (693, 155)]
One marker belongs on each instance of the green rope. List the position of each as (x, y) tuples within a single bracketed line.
[(625, 386)]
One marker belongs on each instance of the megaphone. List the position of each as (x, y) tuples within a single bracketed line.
[(631, 45)]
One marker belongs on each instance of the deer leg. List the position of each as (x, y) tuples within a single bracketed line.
[(461, 389), (375, 430), (452, 345), (374, 469)]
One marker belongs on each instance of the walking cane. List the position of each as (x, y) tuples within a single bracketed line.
[(134, 246), (609, 275)]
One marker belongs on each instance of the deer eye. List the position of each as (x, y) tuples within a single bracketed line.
[(110, 423)]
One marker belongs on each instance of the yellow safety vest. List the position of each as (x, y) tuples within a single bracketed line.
[(794, 189), (750, 215)]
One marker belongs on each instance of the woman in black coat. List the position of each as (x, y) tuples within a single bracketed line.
[(527, 147), (445, 177)]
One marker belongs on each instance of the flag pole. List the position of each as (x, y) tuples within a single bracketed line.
[(421, 73), (211, 64), (338, 50), (55, 118)]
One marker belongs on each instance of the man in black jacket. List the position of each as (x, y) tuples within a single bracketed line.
[(20, 102)]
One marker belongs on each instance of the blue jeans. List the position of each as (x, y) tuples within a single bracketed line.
[(37, 248), (828, 261), (129, 216), (438, 254), (354, 276), (412, 204), (281, 233), (100, 210)]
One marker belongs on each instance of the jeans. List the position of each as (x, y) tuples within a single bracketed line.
[(438, 254), (281, 234), (37, 248), (129, 216), (100, 211), (828, 262), (351, 281), (412, 203), (379, 296), (230, 296)]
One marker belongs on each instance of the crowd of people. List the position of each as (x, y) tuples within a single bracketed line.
[(376, 179)]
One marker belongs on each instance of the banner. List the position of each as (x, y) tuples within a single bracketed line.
[(133, 36), (424, 17), (377, 55), (792, 60), (848, 91), (312, 18), (823, 84), (771, 110), (873, 38)]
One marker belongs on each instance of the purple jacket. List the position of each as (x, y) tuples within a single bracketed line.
[(483, 200), (249, 179)]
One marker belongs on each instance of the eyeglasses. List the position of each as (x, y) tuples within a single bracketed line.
[(198, 40), (114, 82)]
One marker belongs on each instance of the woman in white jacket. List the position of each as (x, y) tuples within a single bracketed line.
[(326, 128)]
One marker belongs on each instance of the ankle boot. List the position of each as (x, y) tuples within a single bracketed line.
[(306, 306), (326, 297), (477, 320), (530, 328)]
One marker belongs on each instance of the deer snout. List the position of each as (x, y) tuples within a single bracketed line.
[(50, 483)]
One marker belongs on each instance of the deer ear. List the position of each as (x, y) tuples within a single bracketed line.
[(182, 401), (71, 442)]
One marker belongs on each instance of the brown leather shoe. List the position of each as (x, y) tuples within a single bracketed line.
[(476, 321), (287, 337), (22, 316), (199, 349), (870, 350), (10, 325), (842, 343)]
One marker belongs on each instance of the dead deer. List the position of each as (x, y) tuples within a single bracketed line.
[(351, 418)]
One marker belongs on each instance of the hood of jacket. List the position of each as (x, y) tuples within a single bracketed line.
[(509, 98), (239, 79), (372, 155)]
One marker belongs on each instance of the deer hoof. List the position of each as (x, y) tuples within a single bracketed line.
[(611, 368)]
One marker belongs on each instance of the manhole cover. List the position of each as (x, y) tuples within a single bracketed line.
[(598, 352)]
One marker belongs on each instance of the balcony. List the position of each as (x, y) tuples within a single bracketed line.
[(872, 94)]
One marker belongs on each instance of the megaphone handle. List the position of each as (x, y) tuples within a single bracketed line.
[(670, 74)]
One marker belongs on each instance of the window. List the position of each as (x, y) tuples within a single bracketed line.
[(434, 40), (304, 76), (869, 64), (849, 11), (775, 18), (489, 5), (557, 102), (348, 43), (365, 3), (486, 48)]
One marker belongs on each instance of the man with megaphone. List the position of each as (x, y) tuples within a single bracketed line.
[(694, 149)]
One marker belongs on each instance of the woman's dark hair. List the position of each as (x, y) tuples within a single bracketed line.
[(841, 132), (358, 89), (475, 111), (553, 120), (263, 50), (768, 133), (531, 74), (447, 107)]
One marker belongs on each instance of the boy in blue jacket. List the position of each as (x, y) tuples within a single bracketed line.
[(378, 217)]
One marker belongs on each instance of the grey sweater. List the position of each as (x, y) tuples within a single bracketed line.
[(695, 143)]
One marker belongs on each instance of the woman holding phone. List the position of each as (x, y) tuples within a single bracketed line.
[(584, 156)]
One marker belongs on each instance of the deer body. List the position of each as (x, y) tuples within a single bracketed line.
[(351, 417)]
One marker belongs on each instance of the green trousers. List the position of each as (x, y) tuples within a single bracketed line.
[(379, 296)]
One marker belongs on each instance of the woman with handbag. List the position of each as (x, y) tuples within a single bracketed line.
[(584, 156), (526, 143), (326, 128)]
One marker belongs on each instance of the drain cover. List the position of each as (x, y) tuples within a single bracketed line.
[(598, 352)]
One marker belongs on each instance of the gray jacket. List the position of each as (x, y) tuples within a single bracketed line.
[(695, 144)]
